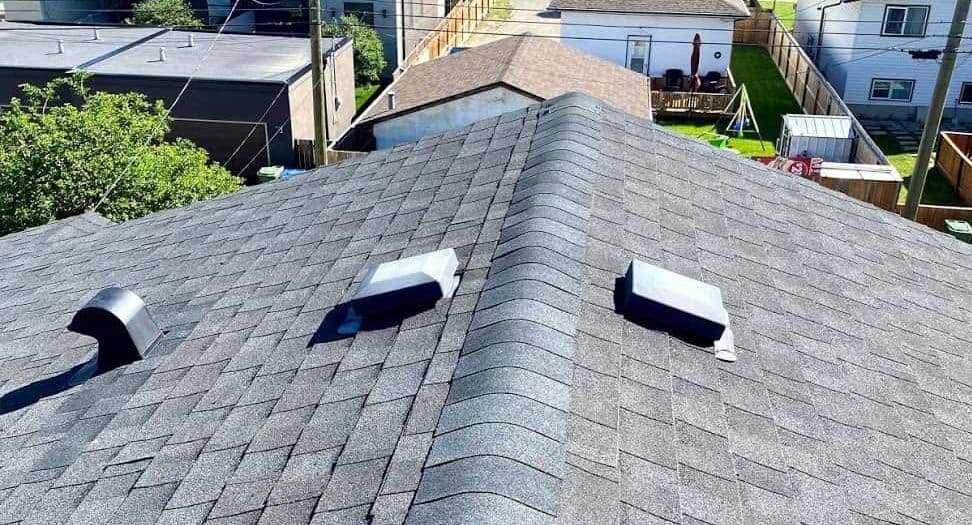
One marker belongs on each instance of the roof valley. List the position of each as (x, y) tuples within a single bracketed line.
[(510, 396)]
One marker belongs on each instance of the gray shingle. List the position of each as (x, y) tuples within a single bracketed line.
[(526, 398)]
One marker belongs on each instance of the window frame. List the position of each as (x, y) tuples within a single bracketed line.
[(904, 21), (911, 92), (962, 90)]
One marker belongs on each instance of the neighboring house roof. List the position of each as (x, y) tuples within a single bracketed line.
[(525, 398), (134, 51), (230, 57), (35, 45), (727, 8), (538, 67)]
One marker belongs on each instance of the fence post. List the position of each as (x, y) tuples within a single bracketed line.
[(806, 87)]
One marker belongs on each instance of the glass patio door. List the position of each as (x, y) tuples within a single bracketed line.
[(639, 52)]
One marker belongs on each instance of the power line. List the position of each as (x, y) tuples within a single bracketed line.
[(273, 7), (168, 112), (533, 22), (525, 35)]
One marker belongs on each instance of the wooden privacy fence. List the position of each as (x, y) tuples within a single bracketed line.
[(808, 85), (954, 163), (304, 153), (934, 216), (450, 32)]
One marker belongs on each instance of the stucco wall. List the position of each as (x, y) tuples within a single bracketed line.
[(338, 83), (671, 43), (448, 115)]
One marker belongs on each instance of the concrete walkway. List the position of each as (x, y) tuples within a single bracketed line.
[(528, 16)]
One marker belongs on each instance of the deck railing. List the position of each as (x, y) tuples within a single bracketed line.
[(687, 102)]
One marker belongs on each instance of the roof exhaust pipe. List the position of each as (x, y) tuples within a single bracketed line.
[(391, 100), (60, 47), (191, 42), (97, 34), (161, 54), (119, 321)]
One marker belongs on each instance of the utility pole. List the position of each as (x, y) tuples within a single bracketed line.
[(933, 120), (317, 84)]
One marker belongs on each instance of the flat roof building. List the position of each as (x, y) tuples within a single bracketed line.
[(248, 102)]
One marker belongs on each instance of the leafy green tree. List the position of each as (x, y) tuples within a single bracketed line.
[(369, 54), (164, 13), (58, 158)]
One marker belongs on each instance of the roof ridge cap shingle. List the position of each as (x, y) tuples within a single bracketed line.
[(509, 469)]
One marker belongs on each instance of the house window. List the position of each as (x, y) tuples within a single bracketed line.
[(965, 97), (365, 11), (905, 20), (891, 89)]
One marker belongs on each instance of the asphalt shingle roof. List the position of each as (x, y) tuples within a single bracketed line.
[(538, 67), (729, 8), (525, 398)]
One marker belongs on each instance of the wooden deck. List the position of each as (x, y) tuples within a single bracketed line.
[(687, 103)]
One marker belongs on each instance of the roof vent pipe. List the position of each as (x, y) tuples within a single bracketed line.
[(97, 34), (192, 41), (117, 318), (391, 100), (60, 47), (161, 54)]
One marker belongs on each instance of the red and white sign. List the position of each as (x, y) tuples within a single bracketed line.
[(805, 167)]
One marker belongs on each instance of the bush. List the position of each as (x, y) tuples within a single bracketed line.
[(369, 53), (58, 159)]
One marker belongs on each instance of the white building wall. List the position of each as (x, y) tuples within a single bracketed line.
[(852, 71), (671, 38), (837, 45), (449, 115)]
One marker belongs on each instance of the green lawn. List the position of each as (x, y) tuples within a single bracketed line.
[(785, 10), (363, 95), (937, 188), (768, 93), (501, 10)]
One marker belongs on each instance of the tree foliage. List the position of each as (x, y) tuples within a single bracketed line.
[(369, 54), (165, 13), (63, 146)]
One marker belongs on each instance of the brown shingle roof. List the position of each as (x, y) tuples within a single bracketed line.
[(539, 67), (733, 8)]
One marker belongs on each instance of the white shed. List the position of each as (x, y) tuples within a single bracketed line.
[(820, 136)]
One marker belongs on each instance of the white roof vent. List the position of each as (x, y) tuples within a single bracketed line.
[(675, 302), (407, 283)]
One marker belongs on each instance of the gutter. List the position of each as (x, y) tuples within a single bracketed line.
[(820, 29)]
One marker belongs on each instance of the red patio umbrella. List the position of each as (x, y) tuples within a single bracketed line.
[(696, 55)]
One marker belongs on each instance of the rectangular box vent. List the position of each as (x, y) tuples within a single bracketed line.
[(406, 283), (674, 301)]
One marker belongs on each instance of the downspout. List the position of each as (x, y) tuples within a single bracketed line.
[(820, 30)]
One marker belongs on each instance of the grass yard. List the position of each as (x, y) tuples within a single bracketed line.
[(501, 10), (770, 96), (363, 95), (937, 188), (785, 10)]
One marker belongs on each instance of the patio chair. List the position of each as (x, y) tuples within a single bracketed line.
[(710, 82), (673, 80)]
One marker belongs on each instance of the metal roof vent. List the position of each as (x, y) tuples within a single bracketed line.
[(407, 283), (675, 302), (117, 318)]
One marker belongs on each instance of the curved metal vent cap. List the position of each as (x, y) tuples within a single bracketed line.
[(117, 318), (407, 283)]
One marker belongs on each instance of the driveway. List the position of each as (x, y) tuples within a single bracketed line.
[(527, 16)]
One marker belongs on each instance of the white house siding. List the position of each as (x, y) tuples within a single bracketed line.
[(852, 71), (449, 115), (671, 38)]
